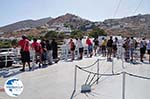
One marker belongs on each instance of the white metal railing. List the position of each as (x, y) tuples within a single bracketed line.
[(8, 54), (65, 54)]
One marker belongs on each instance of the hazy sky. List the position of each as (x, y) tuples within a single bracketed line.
[(95, 10)]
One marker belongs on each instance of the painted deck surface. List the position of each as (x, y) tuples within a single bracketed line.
[(57, 81)]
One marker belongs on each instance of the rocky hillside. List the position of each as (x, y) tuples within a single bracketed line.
[(25, 24), (69, 20), (129, 26), (133, 26)]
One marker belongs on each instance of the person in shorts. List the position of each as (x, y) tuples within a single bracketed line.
[(80, 46), (25, 53), (54, 50), (90, 46), (38, 51), (72, 49), (142, 49), (114, 46), (127, 49), (109, 48), (148, 49), (132, 45), (96, 44), (103, 46)]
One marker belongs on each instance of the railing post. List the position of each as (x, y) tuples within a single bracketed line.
[(97, 70), (77, 49), (87, 51), (112, 65), (75, 77), (6, 57), (33, 58), (123, 85), (66, 52), (75, 82)]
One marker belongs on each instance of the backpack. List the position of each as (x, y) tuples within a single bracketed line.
[(73, 46), (37, 47), (109, 43)]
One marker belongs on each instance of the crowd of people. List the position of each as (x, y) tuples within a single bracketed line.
[(46, 52), (108, 47), (130, 45)]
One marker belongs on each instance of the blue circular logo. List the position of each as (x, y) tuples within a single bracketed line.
[(13, 87)]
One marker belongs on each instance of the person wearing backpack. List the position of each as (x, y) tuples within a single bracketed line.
[(143, 44), (72, 48), (38, 51), (49, 52), (96, 44), (109, 48), (44, 52), (54, 50)]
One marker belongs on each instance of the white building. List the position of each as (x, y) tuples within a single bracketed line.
[(59, 27), (1, 33)]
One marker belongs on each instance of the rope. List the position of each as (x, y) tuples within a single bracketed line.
[(99, 78), (137, 76), (89, 65), (98, 73)]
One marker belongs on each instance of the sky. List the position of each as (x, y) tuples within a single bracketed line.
[(95, 10)]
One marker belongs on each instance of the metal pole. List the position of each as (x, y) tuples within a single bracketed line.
[(87, 51), (122, 58), (97, 70), (123, 85), (33, 58), (66, 54), (75, 82), (113, 66), (65, 51), (78, 55), (75, 78), (6, 56)]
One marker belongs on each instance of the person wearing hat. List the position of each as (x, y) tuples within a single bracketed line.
[(24, 51)]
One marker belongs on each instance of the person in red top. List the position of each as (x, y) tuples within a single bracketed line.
[(25, 54), (90, 46), (38, 51)]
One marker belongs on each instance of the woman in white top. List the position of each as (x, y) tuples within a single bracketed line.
[(80, 46)]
